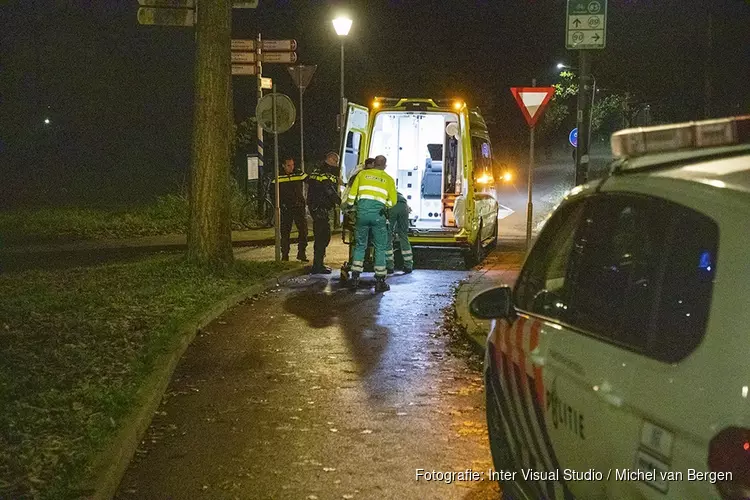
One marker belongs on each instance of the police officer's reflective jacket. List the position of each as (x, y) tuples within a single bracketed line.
[(323, 188), (291, 189)]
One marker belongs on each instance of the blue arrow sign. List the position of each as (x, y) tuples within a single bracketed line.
[(573, 137)]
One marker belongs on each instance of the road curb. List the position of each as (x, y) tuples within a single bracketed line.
[(110, 465)]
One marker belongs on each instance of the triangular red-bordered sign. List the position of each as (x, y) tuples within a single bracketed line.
[(532, 101)]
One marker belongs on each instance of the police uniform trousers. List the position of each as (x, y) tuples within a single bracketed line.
[(399, 225), (321, 234), (371, 220), (293, 214)]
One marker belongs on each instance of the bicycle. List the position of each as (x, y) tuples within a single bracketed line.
[(257, 212)]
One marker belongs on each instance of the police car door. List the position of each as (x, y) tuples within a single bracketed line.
[(610, 283), (540, 298), (355, 135)]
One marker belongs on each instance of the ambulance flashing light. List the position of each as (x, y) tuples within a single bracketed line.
[(690, 135)]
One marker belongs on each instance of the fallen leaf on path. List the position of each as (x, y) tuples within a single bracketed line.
[(329, 469), (333, 430), (366, 431)]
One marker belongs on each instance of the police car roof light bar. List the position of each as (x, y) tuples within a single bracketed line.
[(689, 135)]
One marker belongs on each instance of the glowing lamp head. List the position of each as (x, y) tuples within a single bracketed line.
[(458, 105), (342, 25), (376, 104), (507, 177), (46, 121), (560, 65)]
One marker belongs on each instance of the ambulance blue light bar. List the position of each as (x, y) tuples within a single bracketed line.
[(680, 136)]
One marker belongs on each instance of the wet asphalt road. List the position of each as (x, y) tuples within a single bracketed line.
[(316, 392)]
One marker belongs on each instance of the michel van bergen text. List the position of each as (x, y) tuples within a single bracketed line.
[(571, 475)]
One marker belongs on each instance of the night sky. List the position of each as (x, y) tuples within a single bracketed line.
[(119, 95)]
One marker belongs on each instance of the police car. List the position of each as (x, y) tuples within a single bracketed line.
[(617, 366)]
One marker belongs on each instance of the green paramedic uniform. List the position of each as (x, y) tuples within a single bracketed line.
[(399, 219), (374, 192)]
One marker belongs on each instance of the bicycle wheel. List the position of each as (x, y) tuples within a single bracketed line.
[(256, 213)]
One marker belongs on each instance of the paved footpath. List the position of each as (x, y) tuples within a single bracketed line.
[(316, 392)]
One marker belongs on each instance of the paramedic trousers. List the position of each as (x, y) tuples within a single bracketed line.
[(370, 220), (322, 235), (296, 215), (399, 220)]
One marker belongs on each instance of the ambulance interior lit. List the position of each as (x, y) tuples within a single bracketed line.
[(423, 156)]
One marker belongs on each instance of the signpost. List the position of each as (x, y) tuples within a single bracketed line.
[(532, 101), (266, 83), (585, 29), (270, 57), (265, 45), (586, 24), (275, 113), (244, 69), (302, 75)]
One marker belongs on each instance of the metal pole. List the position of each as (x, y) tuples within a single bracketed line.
[(261, 170), (583, 120), (277, 207), (342, 105), (301, 130), (530, 205), (707, 70)]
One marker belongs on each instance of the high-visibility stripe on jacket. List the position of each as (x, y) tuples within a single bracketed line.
[(291, 177), (373, 184), (291, 189)]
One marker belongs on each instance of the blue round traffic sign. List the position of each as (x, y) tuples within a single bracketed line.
[(573, 137)]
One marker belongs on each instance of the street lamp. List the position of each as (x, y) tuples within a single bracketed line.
[(342, 25)]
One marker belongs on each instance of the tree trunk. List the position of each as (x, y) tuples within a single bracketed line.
[(209, 231)]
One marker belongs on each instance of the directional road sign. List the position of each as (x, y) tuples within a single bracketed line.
[(267, 45), (532, 101), (269, 57), (573, 137), (586, 26), (187, 4), (243, 69), (166, 17), (266, 83), (286, 113)]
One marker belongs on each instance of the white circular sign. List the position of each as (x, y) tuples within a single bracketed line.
[(286, 113)]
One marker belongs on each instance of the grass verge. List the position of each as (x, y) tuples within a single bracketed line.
[(76, 344)]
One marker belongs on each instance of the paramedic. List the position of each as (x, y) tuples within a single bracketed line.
[(374, 192), (292, 202), (322, 197), (399, 221)]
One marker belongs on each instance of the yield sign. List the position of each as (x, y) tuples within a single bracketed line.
[(532, 101)]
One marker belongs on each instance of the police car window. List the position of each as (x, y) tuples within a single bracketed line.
[(690, 266), (542, 287), (617, 271)]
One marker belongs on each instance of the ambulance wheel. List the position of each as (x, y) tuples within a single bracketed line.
[(474, 255), (493, 242)]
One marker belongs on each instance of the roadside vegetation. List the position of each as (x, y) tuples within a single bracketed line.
[(168, 214), (76, 345)]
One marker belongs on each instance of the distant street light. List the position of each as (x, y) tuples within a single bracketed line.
[(342, 25), (46, 121)]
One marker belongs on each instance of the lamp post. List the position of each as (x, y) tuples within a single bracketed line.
[(342, 25)]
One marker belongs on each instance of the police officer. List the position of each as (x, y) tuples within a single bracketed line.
[(399, 225), (292, 203), (322, 197), (374, 192)]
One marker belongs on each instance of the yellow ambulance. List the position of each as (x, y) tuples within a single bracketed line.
[(440, 155)]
